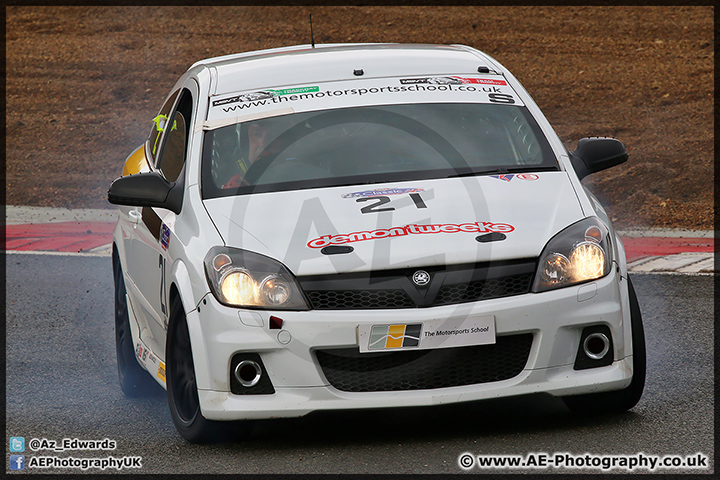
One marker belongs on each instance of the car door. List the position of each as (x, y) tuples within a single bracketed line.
[(148, 257)]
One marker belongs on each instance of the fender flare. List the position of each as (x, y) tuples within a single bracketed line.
[(624, 292), (181, 285), (620, 255)]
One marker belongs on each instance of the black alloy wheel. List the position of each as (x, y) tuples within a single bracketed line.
[(182, 389)]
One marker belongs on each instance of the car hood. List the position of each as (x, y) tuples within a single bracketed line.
[(401, 224)]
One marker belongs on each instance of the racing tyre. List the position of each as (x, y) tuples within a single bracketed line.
[(620, 400), (182, 388), (134, 380)]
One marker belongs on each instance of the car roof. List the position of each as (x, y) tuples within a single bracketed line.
[(304, 64)]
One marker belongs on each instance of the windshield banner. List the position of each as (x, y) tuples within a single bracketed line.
[(383, 91)]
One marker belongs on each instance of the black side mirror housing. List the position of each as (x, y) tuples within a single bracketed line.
[(146, 190), (597, 153)]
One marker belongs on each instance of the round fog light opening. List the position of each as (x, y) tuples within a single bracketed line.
[(248, 373), (596, 346)]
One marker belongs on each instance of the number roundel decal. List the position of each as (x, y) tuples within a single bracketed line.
[(382, 200)]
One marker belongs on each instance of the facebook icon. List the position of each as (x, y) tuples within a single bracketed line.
[(17, 462)]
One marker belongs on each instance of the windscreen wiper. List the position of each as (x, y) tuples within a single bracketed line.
[(504, 171)]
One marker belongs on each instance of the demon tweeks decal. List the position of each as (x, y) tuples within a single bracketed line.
[(475, 227)]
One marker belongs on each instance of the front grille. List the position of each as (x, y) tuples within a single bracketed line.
[(450, 284), (351, 371), (359, 299), (484, 289)]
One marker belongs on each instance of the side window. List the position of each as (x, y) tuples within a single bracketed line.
[(155, 138), (172, 155)]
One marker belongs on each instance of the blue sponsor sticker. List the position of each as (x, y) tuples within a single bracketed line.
[(382, 192), (165, 236), (506, 178)]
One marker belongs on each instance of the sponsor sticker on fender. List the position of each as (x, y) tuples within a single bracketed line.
[(161, 371), (165, 236), (475, 227), (440, 333)]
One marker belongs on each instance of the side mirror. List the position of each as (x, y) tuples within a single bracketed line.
[(597, 153), (146, 190)]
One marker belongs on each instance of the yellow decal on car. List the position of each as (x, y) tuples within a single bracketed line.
[(135, 162)]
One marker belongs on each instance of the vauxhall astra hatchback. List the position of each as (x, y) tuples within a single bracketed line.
[(365, 226)]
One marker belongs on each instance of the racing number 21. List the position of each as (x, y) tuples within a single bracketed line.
[(374, 207)]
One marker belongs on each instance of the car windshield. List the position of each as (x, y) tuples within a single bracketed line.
[(373, 144)]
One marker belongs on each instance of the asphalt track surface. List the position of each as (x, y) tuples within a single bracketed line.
[(61, 381)]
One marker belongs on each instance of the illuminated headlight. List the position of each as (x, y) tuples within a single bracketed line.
[(580, 253), (555, 269), (239, 278), (237, 287), (587, 261), (275, 291)]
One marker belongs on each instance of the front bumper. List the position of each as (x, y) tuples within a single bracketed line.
[(555, 319)]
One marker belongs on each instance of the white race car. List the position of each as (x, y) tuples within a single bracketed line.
[(365, 226)]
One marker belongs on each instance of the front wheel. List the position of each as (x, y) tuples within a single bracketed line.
[(182, 387), (620, 400)]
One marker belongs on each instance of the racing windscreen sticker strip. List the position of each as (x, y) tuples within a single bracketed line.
[(367, 92)]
